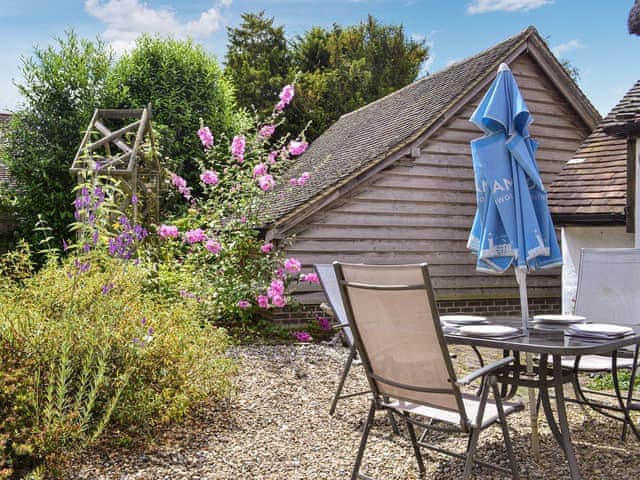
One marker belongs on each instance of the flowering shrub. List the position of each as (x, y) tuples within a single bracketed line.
[(88, 342), (216, 253)]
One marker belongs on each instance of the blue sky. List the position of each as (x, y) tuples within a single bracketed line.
[(592, 34)]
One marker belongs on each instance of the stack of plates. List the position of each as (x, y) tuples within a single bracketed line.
[(488, 330), (462, 319), (598, 330), (559, 319)]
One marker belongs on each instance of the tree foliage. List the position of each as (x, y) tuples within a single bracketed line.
[(257, 61), (183, 83), (63, 84), (338, 69)]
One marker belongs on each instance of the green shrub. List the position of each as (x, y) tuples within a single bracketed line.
[(85, 345)]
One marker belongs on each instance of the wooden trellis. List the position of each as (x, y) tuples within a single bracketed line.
[(112, 147)]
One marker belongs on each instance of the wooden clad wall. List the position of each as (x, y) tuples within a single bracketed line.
[(421, 209)]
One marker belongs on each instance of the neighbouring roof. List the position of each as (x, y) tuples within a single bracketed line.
[(593, 184), (4, 171), (361, 140), (634, 18)]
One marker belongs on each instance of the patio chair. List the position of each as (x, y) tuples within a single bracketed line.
[(396, 329), (329, 284), (608, 291)]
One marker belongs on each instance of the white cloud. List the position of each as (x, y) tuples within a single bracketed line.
[(566, 47), (429, 43), (484, 6), (126, 19)]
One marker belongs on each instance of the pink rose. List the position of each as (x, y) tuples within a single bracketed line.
[(259, 170), (213, 246), (263, 301), (266, 248), (266, 182), (266, 131), (276, 288), (302, 179), (324, 323), (303, 336), (297, 148), (205, 137), (237, 147), (278, 301), (292, 265), (286, 95), (310, 277), (243, 304), (272, 157), (209, 177), (194, 236), (181, 184), (166, 231), (293, 182)]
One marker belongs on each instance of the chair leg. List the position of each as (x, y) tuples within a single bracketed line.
[(632, 381), (414, 443), (363, 441), (343, 377), (471, 450), (505, 433)]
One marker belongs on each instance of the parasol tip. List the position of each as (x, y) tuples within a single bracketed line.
[(503, 67)]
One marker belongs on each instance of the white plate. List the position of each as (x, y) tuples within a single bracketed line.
[(561, 319), (605, 328), (487, 330), (463, 319)]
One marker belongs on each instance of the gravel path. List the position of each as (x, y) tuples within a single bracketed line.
[(277, 427)]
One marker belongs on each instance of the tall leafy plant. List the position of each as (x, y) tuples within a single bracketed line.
[(63, 84)]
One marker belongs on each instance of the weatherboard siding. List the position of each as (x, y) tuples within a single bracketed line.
[(421, 209)]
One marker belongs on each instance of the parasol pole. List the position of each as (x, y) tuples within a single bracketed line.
[(521, 277)]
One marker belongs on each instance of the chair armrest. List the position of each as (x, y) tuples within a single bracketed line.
[(487, 369)]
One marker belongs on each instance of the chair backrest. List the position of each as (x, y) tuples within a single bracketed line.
[(397, 331), (609, 285), (329, 283)]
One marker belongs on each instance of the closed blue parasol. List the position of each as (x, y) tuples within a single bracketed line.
[(512, 225)]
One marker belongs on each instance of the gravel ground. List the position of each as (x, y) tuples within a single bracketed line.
[(277, 427)]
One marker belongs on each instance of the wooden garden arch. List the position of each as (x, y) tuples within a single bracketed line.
[(118, 149)]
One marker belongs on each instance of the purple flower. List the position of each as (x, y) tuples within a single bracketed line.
[(166, 231), (143, 321), (209, 177), (206, 137), (134, 199), (324, 323), (65, 245), (292, 265), (267, 247), (185, 294), (303, 336), (243, 304), (194, 236), (106, 288)]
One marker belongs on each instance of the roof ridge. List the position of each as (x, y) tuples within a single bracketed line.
[(530, 30)]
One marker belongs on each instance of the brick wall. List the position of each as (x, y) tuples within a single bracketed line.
[(302, 314)]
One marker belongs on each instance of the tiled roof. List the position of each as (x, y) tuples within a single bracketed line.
[(594, 181), (362, 138)]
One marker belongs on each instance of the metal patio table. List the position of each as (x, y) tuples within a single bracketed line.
[(552, 344)]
